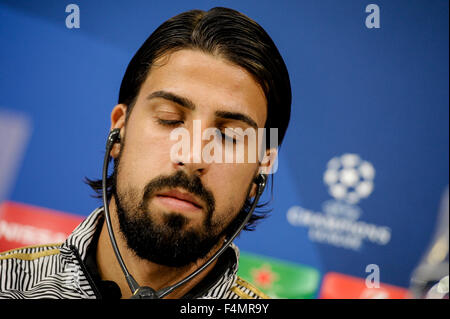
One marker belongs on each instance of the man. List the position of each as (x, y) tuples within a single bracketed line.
[(170, 213)]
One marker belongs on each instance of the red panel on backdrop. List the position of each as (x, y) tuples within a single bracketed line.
[(340, 286), (24, 225)]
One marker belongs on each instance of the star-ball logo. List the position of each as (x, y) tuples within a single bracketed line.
[(349, 179)]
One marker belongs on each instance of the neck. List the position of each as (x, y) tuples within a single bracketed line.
[(145, 272)]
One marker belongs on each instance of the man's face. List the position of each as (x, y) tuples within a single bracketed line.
[(171, 203)]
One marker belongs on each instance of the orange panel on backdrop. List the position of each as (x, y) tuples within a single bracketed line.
[(340, 286), (24, 225)]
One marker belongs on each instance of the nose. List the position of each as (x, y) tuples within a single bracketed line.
[(192, 162), (191, 168)]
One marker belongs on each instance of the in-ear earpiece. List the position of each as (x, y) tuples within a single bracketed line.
[(113, 137), (260, 180)]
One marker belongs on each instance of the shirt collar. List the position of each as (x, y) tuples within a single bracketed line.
[(85, 237)]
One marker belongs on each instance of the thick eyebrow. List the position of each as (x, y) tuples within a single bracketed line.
[(237, 116), (185, 102)]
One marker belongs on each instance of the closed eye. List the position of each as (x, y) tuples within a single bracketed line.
[(169, 122), (227, 137)]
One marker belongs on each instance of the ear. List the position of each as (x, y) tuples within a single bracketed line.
[(266, 166), (118, 116)]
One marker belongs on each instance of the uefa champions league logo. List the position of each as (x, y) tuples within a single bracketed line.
[(349, 178)]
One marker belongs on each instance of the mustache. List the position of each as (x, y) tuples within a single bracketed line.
[(181, 180)]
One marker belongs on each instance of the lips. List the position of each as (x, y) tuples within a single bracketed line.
[(177, 195)]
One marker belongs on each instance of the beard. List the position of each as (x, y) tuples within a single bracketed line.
[(170, 242)]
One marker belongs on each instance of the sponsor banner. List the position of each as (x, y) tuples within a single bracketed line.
[(24, 225), (340, 286), (277, 278)]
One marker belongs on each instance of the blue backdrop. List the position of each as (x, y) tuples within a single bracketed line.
[(373, 99)]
